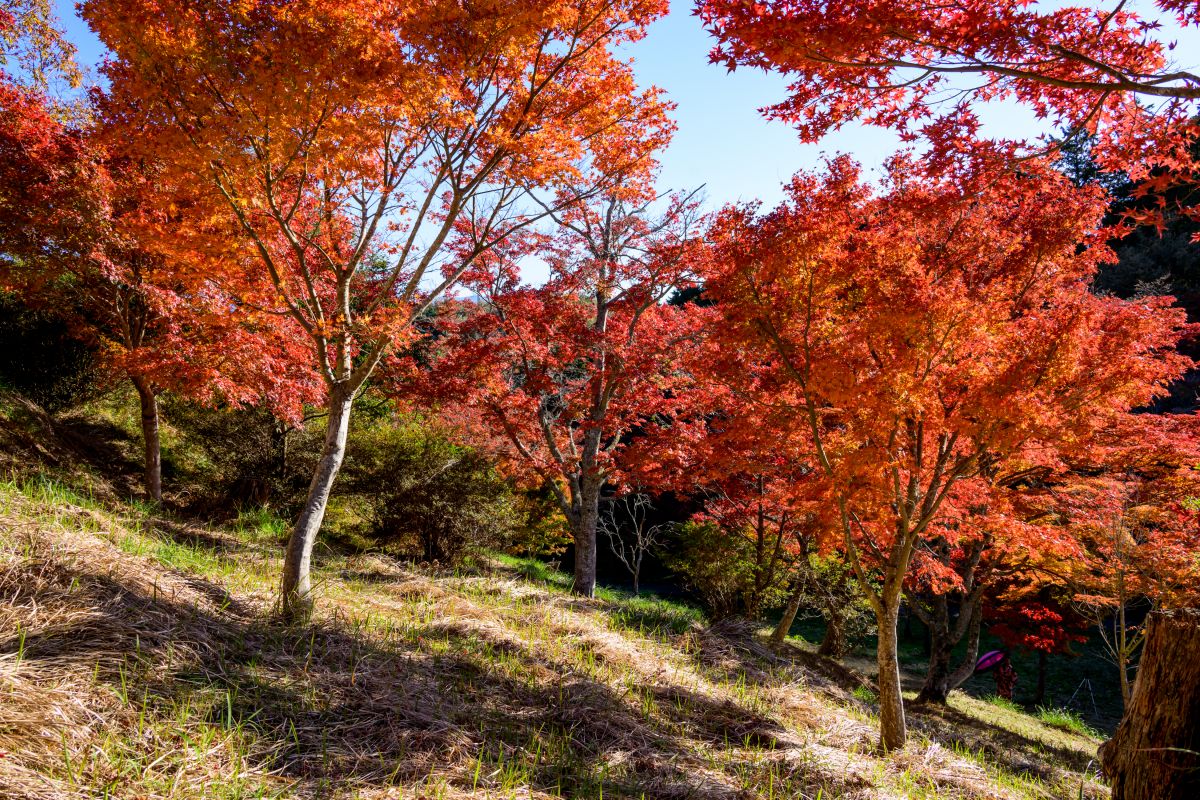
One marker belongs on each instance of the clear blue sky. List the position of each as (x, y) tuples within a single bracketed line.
[(723, 142)]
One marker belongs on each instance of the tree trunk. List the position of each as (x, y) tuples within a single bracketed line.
[(967, 667), (892, 731), (1155, 752), (295, 594), (150, 438), (585, 539), (789, 615), (939, 678), (833, 643)]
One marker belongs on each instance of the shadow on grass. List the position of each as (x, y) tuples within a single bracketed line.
[(326, 705)]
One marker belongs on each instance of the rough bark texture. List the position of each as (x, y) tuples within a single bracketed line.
[(150, 439), (584, 531), (892, 730), (944, 636), (1155, 752), (295, 594)]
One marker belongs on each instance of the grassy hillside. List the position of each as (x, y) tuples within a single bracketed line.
[(139, 659)]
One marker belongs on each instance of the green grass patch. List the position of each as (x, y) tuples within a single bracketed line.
[(865, 694), (1067, 720), (535, 571), (1003, 702)]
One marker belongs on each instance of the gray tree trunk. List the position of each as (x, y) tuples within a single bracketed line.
[(892, 730), (150, 439), (296, 590)]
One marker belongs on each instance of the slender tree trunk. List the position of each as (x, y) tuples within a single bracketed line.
[(1123, 650), (789, 614), (1155, 752), (585, 538), (892, 731), (296, 589), (150, 438)]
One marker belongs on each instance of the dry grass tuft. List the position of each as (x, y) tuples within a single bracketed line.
[(140, 659)]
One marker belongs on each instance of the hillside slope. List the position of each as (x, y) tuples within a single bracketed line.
[(139, 659)]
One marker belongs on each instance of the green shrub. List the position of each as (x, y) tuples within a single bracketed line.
[(830, 590), (425, 496), (244, 458), (722, 569), (541, 531)]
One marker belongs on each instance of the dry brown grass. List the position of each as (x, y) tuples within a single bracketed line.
[(139, 658)]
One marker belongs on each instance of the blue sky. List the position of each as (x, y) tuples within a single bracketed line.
[(723, 141)]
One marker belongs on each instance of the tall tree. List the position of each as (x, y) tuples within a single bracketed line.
[(928, 332), (367, 153), (69, 243), (568, 371)]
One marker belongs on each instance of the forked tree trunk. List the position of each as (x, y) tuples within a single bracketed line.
[(937, 674), (892, 731), (940, 678), (296, 589), (1155, 752), (150, 438)]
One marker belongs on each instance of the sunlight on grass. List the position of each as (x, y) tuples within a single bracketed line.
[(1067, 720)]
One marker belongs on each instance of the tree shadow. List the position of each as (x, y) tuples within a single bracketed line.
[(329, 704)]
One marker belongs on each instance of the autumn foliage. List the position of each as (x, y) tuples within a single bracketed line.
[(930, 334), (917, 66)]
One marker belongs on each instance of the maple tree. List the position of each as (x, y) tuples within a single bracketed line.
[(1104, 69), (566, 372), (1132, 506), (928, 333), (66, 208), (366, 153), (33, 50)]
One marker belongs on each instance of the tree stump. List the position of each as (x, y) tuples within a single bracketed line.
[(1155, 752)]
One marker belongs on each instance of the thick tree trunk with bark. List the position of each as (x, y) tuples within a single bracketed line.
[(295, 595), (150, 438), (892, 730), (584, 530), (833, 643), (940, 678), (1155, 752)]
